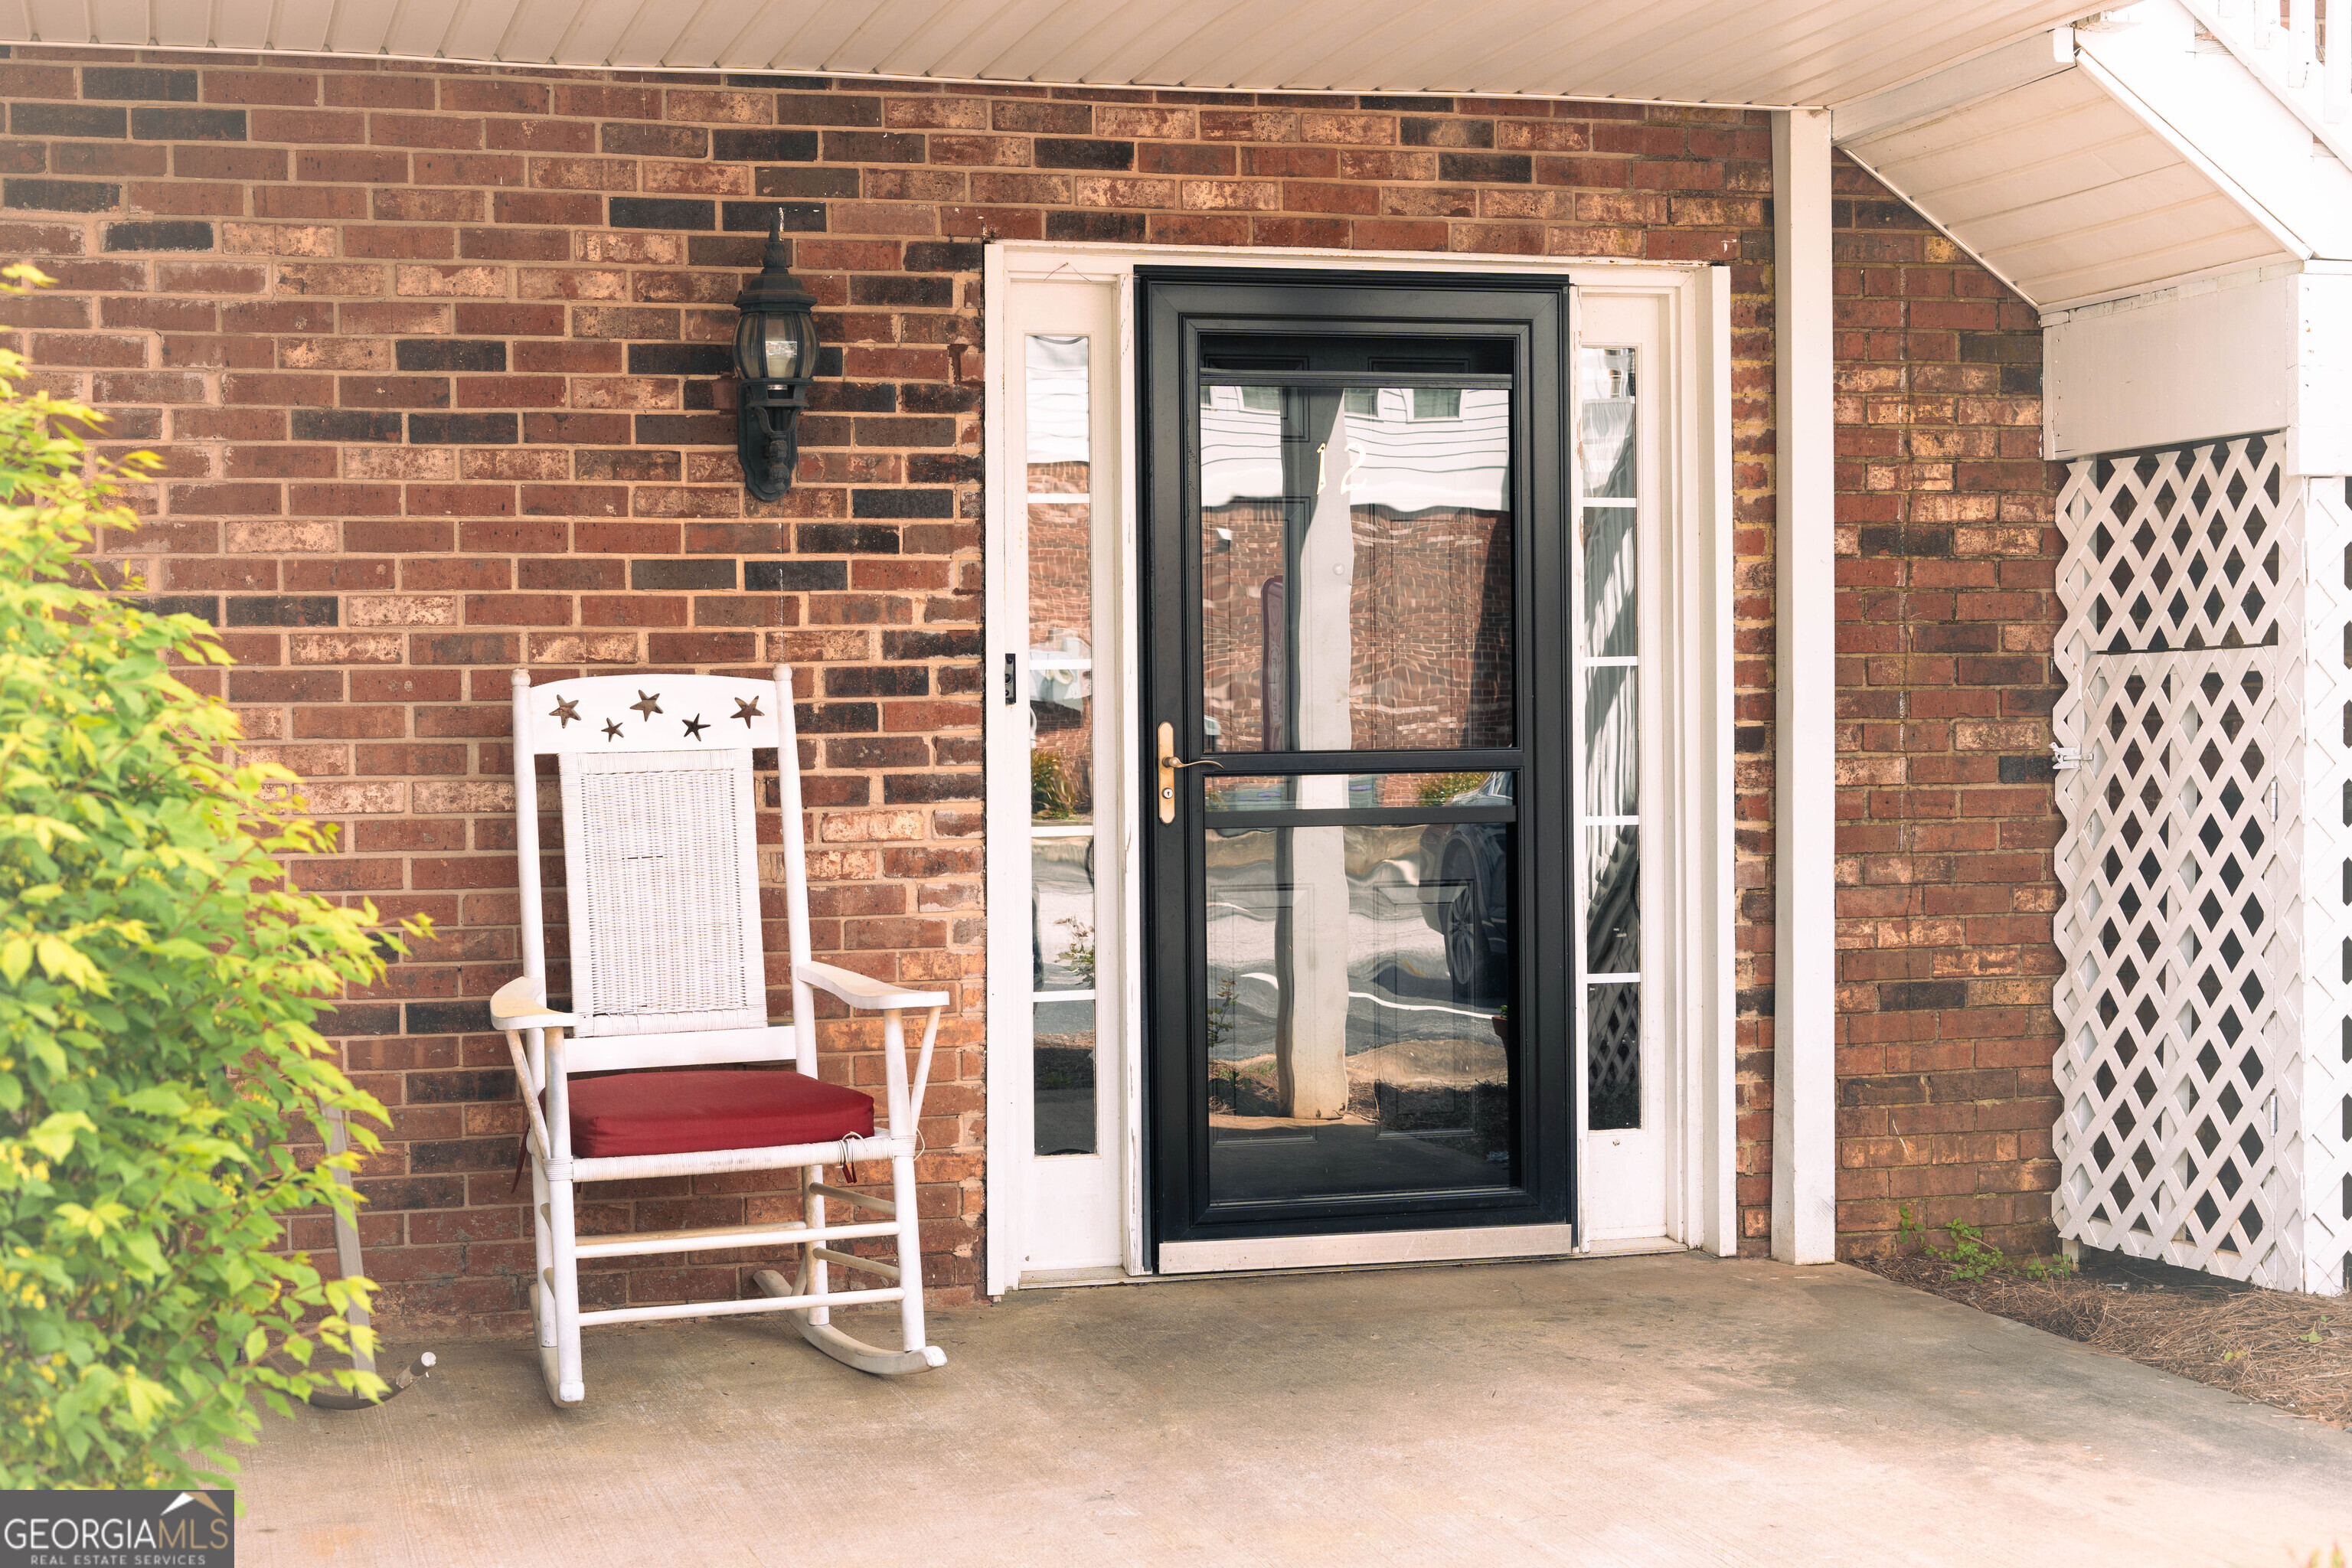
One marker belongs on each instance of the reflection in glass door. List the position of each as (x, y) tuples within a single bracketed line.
[(1356, 547), (1062, 913), (1352, 1029)]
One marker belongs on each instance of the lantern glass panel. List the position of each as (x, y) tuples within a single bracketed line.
[(786, 338), (772, 348), (749, 360)]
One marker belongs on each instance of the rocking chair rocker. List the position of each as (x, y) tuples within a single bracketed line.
[(668, 973)]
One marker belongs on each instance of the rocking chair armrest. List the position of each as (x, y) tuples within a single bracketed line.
[(864, 990), (521, 1004)]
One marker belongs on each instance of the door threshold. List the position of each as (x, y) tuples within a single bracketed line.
[(1459, 1245), (1069, 1278), (1632, 1246)]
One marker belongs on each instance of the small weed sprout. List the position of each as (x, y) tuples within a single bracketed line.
[(1973, 1257), (1079, 956)]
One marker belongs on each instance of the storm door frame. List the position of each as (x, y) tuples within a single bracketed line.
[(1535, 315)]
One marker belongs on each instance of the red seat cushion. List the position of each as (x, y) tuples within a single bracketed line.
[(720, 1108)]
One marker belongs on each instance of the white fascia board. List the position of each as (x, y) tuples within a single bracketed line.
[(2170, 367), (2219, 116), (2016, 65), (2263, 349)]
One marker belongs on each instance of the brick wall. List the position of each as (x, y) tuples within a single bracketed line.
[(436, 356), (1947, 605)]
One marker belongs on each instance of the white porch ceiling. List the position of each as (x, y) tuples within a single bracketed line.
[(2108, 160), (2064, 193), (1749, 52)]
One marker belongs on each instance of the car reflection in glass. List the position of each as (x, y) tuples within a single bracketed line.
[(1465, 893)]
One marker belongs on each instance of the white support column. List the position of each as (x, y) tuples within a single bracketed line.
[(1805, 812)]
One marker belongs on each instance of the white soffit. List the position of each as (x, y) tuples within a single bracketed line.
[(2066, 194), (1751, 52)]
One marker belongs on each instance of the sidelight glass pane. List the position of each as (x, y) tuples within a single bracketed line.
[(1061, 583), (1356, 563), (1064, 1070), (1612, 1072), (1062, 913), (1359, 1038), (1613, 761), (1605, 434), (1613, 900), (1058, 410), (1353, 792), (1611, 630)]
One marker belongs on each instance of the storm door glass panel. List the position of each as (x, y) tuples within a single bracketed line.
[(1356, 557), (1356, 562), (1611, 827), (1061, 744)]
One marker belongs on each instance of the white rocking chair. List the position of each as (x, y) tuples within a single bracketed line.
[(667, 971)]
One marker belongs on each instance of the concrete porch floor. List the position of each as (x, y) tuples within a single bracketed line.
[(1643, 1410)]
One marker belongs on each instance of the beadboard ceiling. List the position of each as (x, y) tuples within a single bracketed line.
[(1749, 52)]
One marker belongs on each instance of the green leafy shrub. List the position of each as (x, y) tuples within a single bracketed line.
[(1053, 793), (1437, 789), (157, 981)]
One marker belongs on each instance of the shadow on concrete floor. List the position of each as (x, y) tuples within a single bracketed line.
[(1661, 1410)]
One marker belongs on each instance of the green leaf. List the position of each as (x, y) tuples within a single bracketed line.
[(54, 1135)]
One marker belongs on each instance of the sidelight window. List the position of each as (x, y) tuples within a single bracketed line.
[(1609, 822), (1062, 915)]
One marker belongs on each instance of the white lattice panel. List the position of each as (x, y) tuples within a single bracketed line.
[(2186, 1004), (2326, 847)]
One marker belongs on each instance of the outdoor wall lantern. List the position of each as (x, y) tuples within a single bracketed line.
[(775, 354)]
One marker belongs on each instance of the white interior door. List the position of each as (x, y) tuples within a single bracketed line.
[(1624, 1101), (1055, 1021)]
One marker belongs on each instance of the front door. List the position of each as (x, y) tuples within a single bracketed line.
[(1357, 757)]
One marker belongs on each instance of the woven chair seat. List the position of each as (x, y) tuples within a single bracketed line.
[(688, 1113)]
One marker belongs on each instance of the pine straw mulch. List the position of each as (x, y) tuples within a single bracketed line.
[(2276, 1347)]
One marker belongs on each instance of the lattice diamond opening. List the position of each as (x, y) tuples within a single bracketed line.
[(2186, 548), (2184, 996)]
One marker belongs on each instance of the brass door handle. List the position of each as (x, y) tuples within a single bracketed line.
[(1168, 766)]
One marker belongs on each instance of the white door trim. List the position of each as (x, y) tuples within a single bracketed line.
[(1697, 581)]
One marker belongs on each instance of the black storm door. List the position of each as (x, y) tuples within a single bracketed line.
[(1355, 714)]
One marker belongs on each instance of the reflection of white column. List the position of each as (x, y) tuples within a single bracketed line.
[(1311, 1030)]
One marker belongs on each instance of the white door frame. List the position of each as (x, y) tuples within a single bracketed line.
[(1694, 594)]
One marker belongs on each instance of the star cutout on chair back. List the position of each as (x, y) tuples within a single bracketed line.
[(611, 731), (648, 706), (566, 710), (695, 727), (747, 711)]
